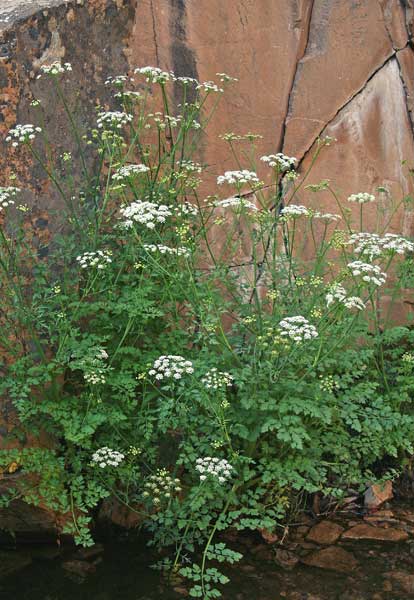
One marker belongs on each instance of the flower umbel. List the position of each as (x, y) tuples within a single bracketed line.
[(106, 457), (171, 366), (297, 329), (215, 468)]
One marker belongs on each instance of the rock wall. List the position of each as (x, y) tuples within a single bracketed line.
[(306, 68)]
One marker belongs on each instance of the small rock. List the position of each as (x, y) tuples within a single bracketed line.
[(88, 553), (387, 586), (286, 559), (270, 537), (181, 591), (332, 558), (378, 494), (364, 531), (78, 567), (325, 533), (404, 580)]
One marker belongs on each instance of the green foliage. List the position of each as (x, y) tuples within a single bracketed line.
[(251, 411)]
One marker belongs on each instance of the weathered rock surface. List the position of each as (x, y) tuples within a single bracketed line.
[(369, 532), (325, 532), (11, 562), (332, 558), (404, 580), (377, 494)]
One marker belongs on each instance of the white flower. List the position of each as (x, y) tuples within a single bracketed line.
[(215, 379), (396, 243), (190, 166), (280, 161), (106, 457), (181, 251), (368, 273), (187, 80), (338, 293), (210, 86), (54, 69), (235, 203), (23, 134), (155, 74), (238, 178), (374, 245), (171, 366), (113, 119), (354, 302), (99, 259), (117, 80), (295, 210), (361, 198), (161, 485), (216, 468), (145, 213), (297, 328), (7, 195), (128, 171), (326, 216), (186, 209), (224, 78)]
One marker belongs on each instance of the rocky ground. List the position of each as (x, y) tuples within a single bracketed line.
[(357, 553)]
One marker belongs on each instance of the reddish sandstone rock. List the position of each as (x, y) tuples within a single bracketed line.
[(332, 558), (325, 532), (377, 494), (364, 531), (404, 580)]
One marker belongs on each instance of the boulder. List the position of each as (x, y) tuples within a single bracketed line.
[(364, 531), (332, 558), (377, 494), (325, 533)]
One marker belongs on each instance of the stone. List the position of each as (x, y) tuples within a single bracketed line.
[(332, 558), (404, 580), (12, 562), (285, 559), (91, 552), (270, 537), (79, 568), (364, 531), (377, 494), (325, 533)]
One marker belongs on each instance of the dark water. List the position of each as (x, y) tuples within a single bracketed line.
[(124, 574)]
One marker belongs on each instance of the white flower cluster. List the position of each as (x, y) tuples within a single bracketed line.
[(113, 119), (155, 74), (55, 68), (190, 166), (210, 86), (106, 457), (369, 273), (94, 372), (373, 244), (22, 134), (117, 80), (238, 177), (161, 486), (330, 217), (297, 328), (361, 198), (187, 209), (7, 195), (128, 171), (171, 366), (220, 469), (295, 210), (145, 213), (180, 251), (338, 292), (236, 203), (99, 259), (280, 161), (215, 379)]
